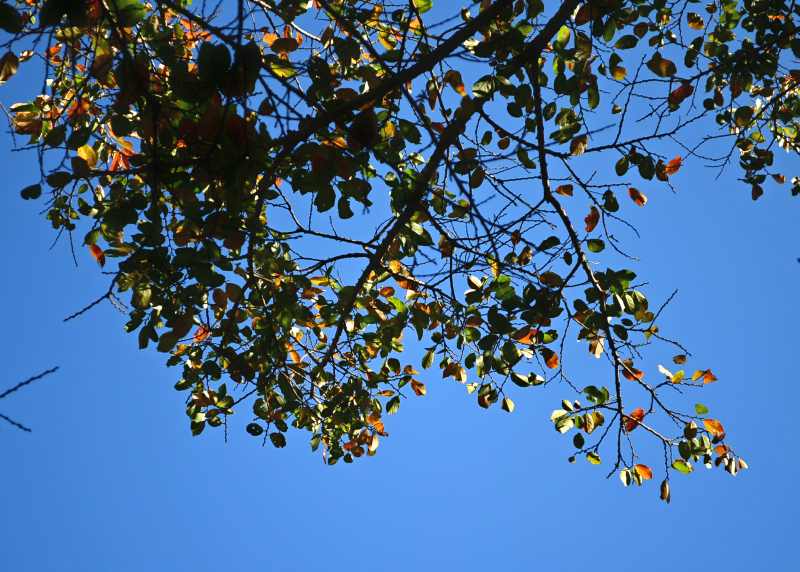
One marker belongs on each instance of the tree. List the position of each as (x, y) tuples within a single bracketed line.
[(292, 190)]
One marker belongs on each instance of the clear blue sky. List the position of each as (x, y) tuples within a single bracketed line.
[(111, 479)]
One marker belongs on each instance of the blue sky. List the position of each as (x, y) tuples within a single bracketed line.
[(111, 479)]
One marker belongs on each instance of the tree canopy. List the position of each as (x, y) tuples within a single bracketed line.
[(286, 194)]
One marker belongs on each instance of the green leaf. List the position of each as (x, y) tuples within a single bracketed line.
[(595, 245), (596, 395), (562, 37), (393, 405), (626, 42), (700, 409), (31, 192), (10, 20), (423, 6), (278, 439), (127, 12), (281, 68), (622, 165), (254, 429)]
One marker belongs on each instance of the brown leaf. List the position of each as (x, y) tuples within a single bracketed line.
[(565, 190), (631, 373), (453, 79), (418, 387), (665, 492)]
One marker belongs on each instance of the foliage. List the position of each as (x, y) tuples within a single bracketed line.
[(292, 191)]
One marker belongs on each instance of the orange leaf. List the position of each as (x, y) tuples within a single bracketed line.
[(592, 219), (550, 358), (673, 166), (201, 334), (293, 354), (643, 471), (98, 254), (637, 196), (565, 190), (714, 427), (632, 420), (526, 336), (705, 374)]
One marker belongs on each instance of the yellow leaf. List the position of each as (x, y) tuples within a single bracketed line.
[(494, 265), (88, 154), (282, 69)]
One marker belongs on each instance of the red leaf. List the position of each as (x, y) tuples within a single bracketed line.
[(681, 93), (98, 254), (592, 219), (201, 334), (632, 420)]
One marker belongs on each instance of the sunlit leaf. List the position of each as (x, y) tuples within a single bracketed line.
[(644, 472)]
